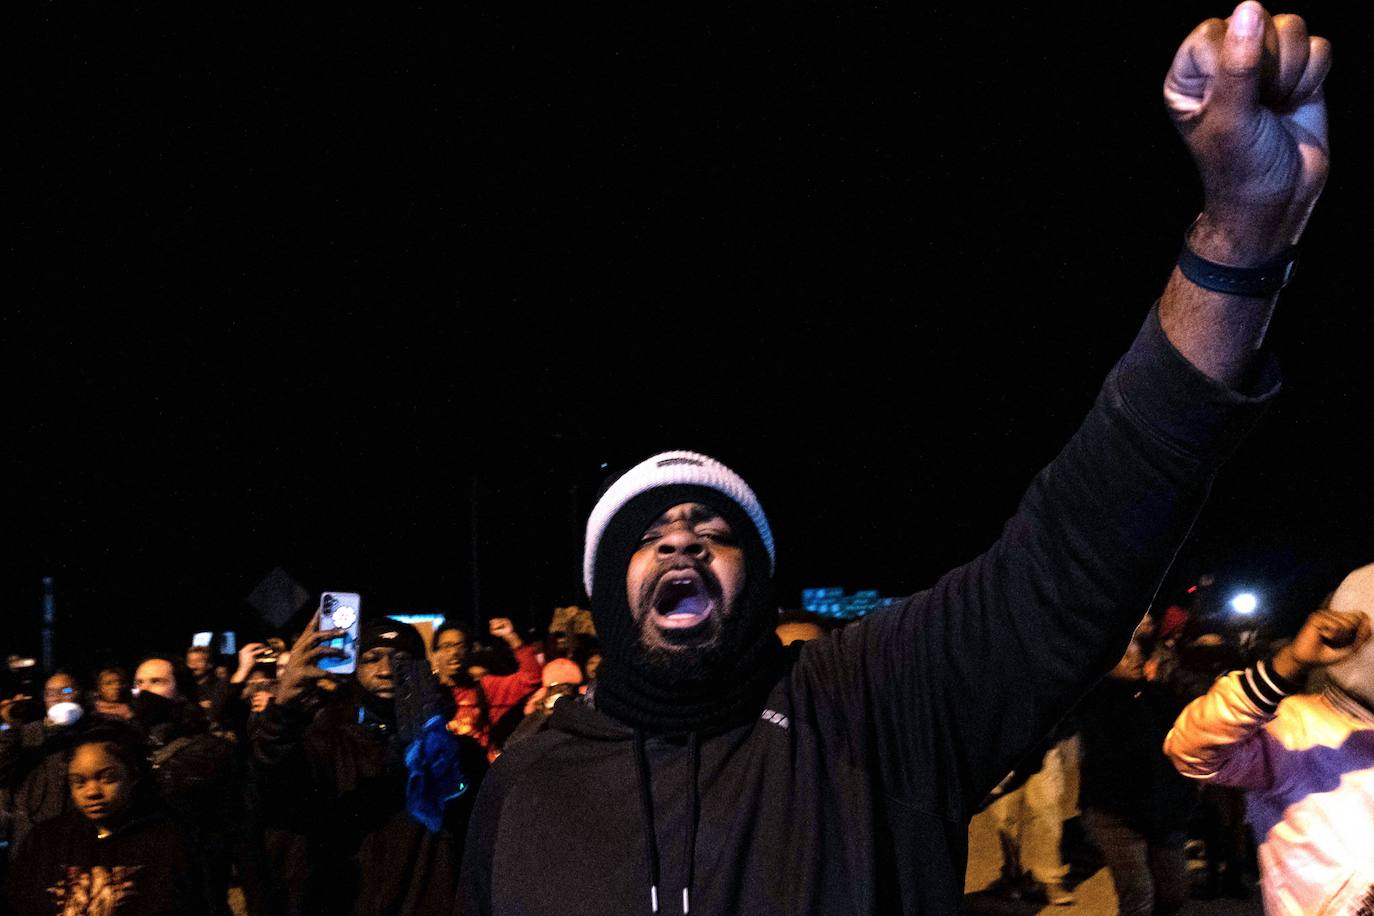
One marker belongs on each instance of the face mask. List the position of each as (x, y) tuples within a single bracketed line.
[(153, 709), (64, 713)]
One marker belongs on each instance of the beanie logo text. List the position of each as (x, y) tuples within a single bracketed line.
[(669, 462)]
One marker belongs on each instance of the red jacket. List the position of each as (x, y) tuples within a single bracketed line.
[(505, 690), (487, 701)]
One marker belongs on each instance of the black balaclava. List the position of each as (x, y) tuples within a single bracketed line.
[(738, 674)]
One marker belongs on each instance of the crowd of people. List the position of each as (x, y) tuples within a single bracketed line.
[(267, 786), (259, 780)]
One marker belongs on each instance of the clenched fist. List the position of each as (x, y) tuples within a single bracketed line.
[(1246, 95), (1326, 638), (502, 628)]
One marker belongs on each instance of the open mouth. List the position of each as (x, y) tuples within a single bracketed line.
[(682, 600)]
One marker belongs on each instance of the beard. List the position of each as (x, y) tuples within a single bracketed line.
[(685, 653)]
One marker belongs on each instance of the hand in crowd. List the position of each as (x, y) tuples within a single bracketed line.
[(7, 714), (502, 628), (1326, 638), (248, 657), (299, 675)]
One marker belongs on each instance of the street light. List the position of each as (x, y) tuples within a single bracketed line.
[(1244, 603)]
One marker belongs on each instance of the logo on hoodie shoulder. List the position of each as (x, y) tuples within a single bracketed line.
[(776, 718)]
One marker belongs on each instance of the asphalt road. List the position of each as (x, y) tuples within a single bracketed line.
[(1093, 895)]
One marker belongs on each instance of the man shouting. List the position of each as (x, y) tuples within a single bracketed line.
[(712, 771)]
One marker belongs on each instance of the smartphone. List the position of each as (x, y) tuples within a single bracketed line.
[(228, 643), (202, 639), (340, 611)]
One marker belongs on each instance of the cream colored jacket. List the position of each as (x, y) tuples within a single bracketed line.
[(1307, 761)]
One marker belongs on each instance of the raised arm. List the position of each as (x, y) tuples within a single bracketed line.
[(277, 736), (962, 680), (1246, 95), (1220, 736)]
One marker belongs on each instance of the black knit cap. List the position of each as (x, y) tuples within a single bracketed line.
[(393, 634)]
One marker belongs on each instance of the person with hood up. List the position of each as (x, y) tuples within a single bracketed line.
[(712, 771), (382, 827), (1306, 760)]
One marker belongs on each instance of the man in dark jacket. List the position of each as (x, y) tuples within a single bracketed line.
[(712, 771), (196, 771), (339, 780), (1135, 804)]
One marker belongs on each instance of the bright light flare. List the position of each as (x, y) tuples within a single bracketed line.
[(1244, 603)]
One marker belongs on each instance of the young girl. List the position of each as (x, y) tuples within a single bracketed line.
[(117, 853)]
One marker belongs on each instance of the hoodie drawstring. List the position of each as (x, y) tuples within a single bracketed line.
[(646, 811), (694, 755)]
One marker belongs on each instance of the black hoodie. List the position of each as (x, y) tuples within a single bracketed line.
[(146, 866), (851, 790)]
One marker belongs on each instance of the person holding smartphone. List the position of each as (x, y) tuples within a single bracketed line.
[(336, 774)]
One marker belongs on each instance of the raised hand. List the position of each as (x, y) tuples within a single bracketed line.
[(502, 628), (7, 714), (1326, 638), (300, 672), (1246, 95), (248, 657)]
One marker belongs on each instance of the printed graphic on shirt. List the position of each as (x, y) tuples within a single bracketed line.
[(94, 891)]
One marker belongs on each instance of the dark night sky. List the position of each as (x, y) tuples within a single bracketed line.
[(287, 286)]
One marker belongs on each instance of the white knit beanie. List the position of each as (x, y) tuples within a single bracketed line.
[(672, 469)]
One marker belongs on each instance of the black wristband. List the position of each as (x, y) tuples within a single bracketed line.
[(1264, 280)]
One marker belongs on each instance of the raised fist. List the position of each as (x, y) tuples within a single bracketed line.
[(1246, 94), (1327, 637), (502, 628)]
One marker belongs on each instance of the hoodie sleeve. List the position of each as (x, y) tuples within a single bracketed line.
[(955, 685), (1220, 737)]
